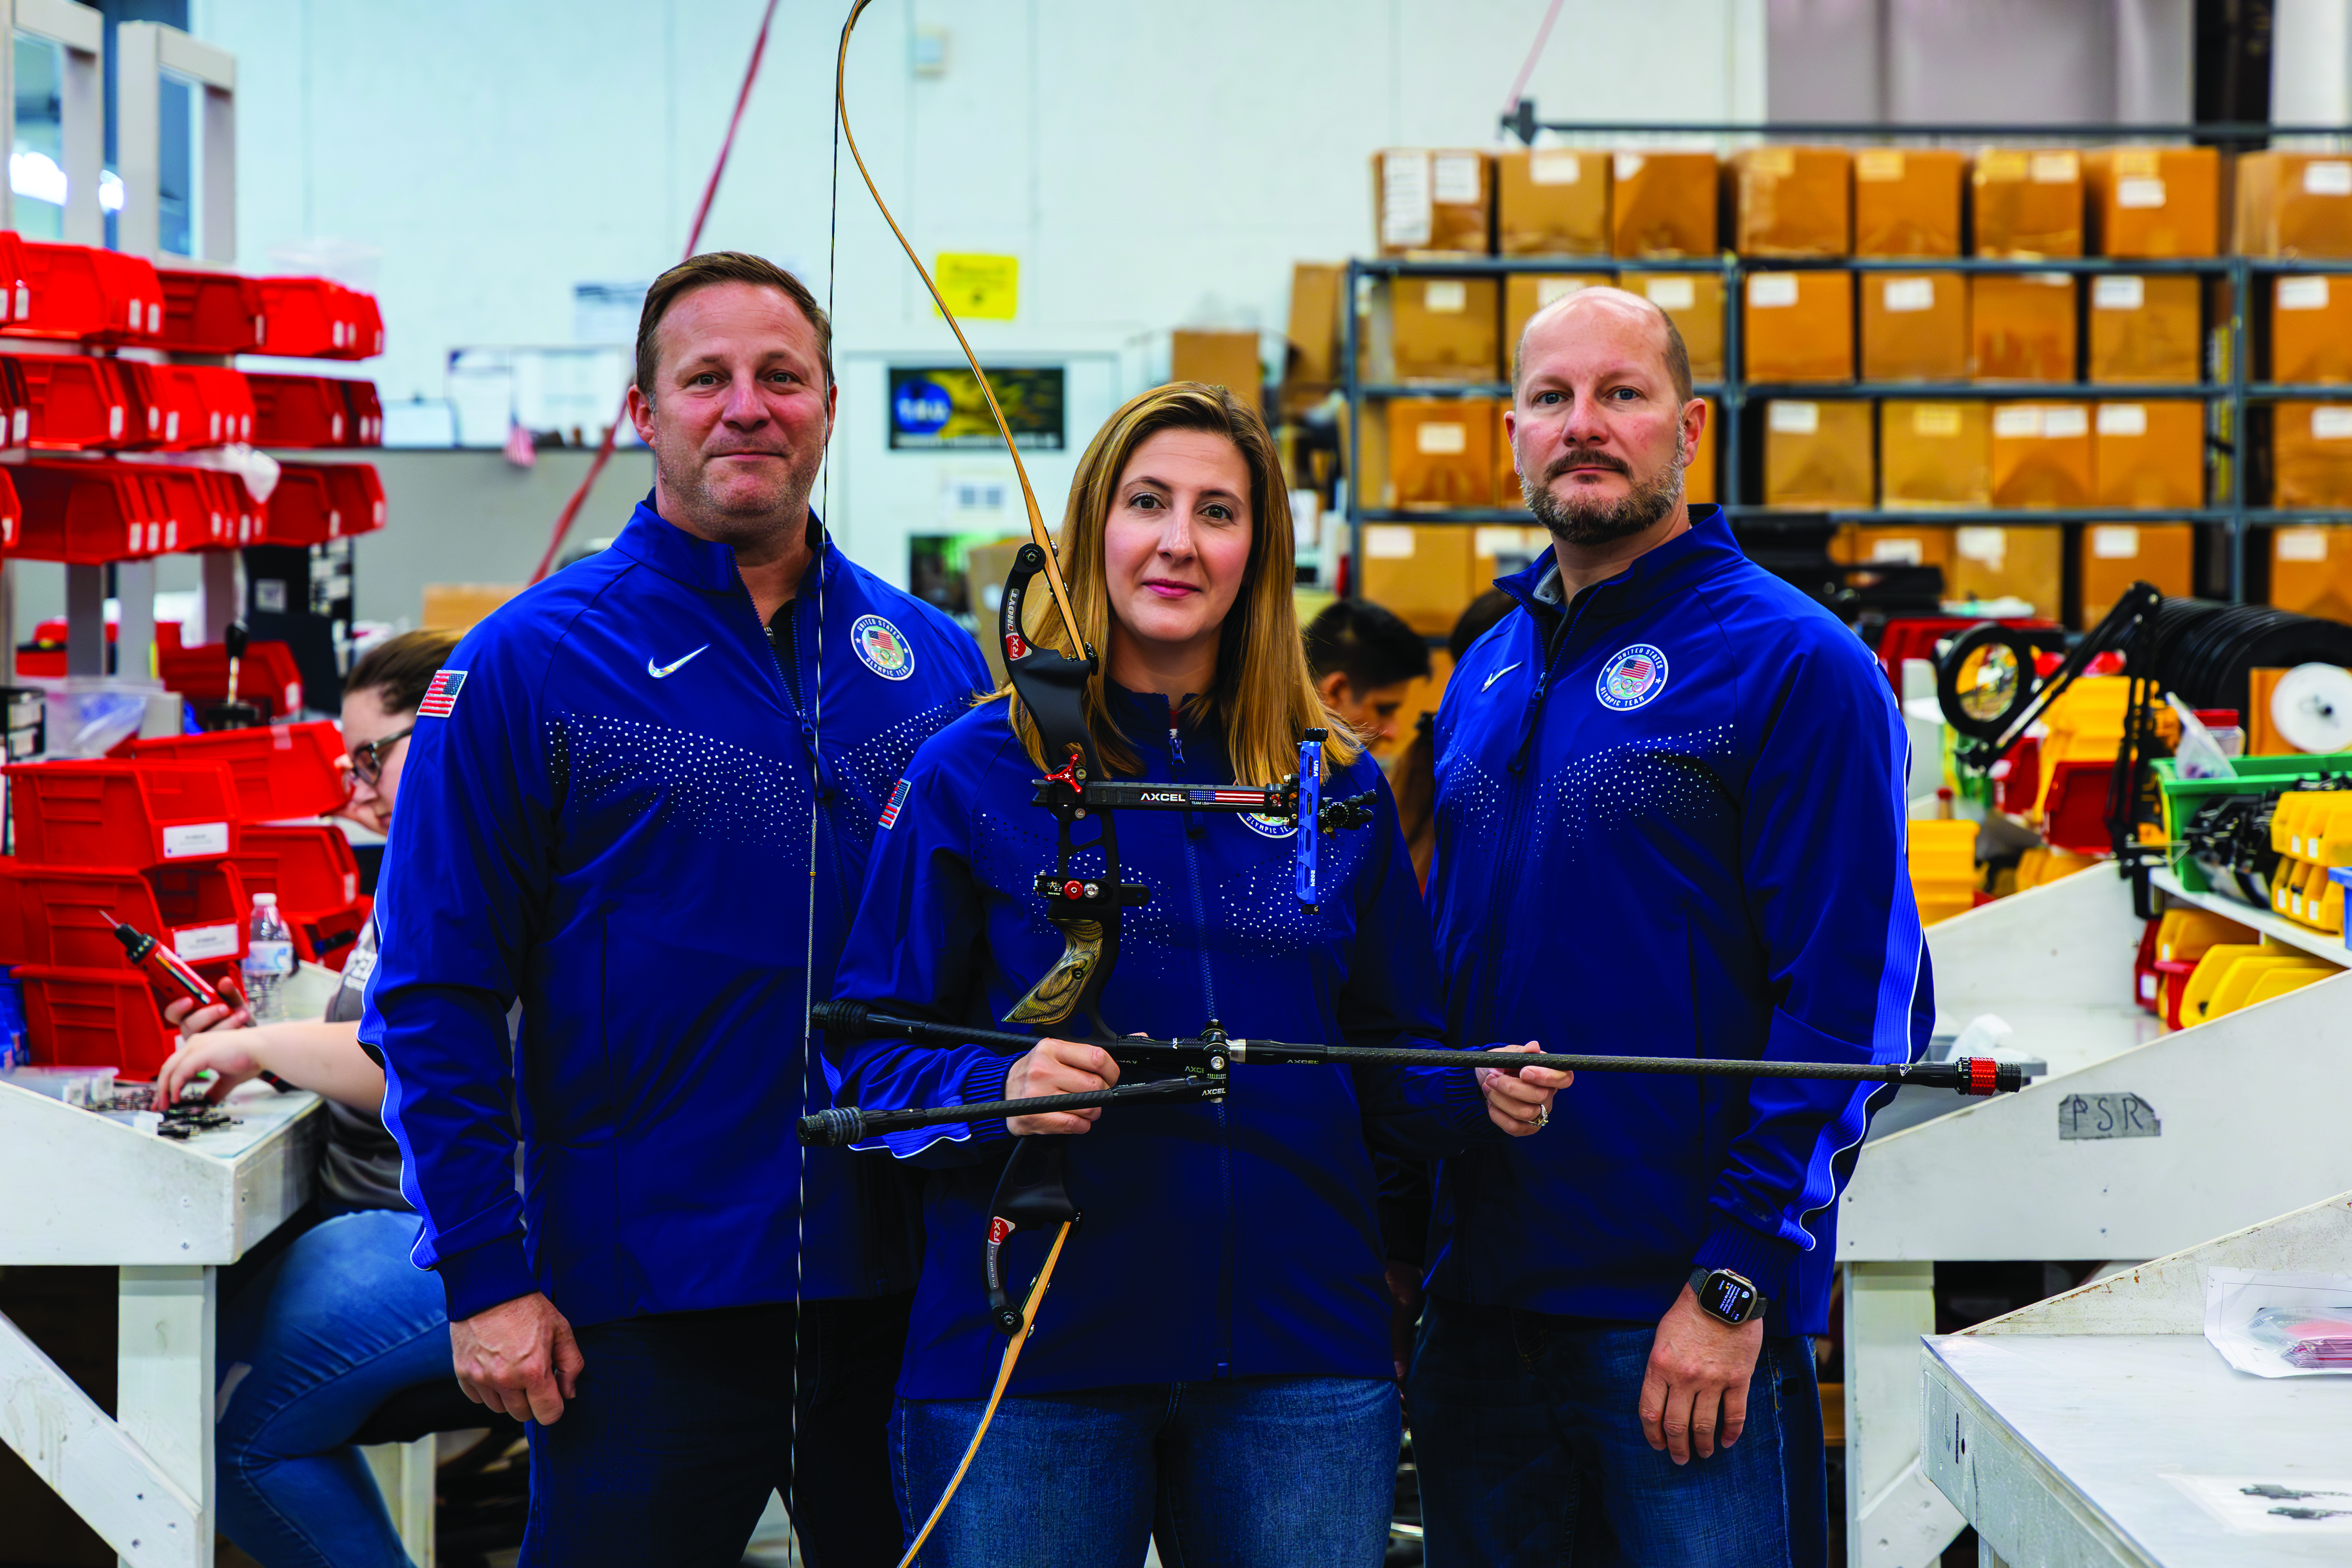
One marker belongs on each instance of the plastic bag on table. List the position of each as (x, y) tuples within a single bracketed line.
[(2280, 1325)]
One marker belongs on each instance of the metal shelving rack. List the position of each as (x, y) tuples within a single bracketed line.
[(1732, 394)]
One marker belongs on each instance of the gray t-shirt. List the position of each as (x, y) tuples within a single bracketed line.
[(362, 1170)]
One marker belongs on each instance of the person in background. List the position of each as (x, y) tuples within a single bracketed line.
[(1363, 657), (1412, 776), (341, 1320), (1671, 818), (644, 797)]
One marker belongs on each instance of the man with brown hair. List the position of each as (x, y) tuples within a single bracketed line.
[(643, 798)]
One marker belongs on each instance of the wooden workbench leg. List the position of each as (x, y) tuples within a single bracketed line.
[(1895, 1515), (164, 1379)]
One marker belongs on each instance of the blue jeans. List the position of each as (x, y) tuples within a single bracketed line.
[(1528, 1442), (335, 1325), (1251, 1473)]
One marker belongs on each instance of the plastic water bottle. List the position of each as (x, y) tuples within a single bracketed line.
[(268, 960)]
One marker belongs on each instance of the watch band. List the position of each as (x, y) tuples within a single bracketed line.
[(1699, 1277)]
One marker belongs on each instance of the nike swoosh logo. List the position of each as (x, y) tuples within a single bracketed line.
[(663, 671), (1500, 673)]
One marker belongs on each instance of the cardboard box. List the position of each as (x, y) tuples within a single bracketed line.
[(1437, 203), (2154, 201), (1694, 302), (2311, 572), (457, 607), (2150, 457), (2311, 329), (2311, 455), (2111, 556), (1915, 326), (2042, 454), (1229, 359), (1423, 571), (1441, 451), (1933, 456), (1662, 204), (1793, 201), (1906, 201), (2022, 326), (2146, 329), (2029, 204), (1798, 326), (1312, 357), (1818, 456), (2294, 204), (2009, 563), (1445, 329), (1525, 293), (1552, 201), (1896, 544)]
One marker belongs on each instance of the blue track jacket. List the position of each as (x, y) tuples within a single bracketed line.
[(1678, 832), (605, 813), (1218, 1240)]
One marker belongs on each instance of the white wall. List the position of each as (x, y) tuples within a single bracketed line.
[(1152, 165)]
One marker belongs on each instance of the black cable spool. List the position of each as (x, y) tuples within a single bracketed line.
[(2204, 650)]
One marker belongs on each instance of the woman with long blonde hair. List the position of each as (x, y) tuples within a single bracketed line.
[(1211, 1366)]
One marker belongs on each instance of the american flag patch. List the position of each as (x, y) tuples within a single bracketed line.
[(898, 799), (441, 697)]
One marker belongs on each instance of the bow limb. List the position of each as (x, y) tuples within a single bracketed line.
[(1028, 495)]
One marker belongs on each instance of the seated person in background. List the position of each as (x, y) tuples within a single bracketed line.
[(342, 1319), (1363, 657)]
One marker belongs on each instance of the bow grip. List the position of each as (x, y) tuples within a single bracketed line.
[(1308, 813)]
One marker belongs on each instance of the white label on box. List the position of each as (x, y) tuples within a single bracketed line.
[(2118, 293), (2051, 280), (1908, 294), (1306, 524), (1445, 296), (2053, 168), (1551, 290), (1771, 290), (2331, 423), (1629, 165), (2303, 293), (1550, 166), (1441, 438), (2328, 179), (2066, 423), (1878, 164), (2139, 193), (1671, 293), (205, 941), (1898, 552), (2301, 544), (1793, 418), (1459, 177), (1942, 419), (2015, 423), (1388, 541), (1405, 198), (2123, 419), (2116, 542), (1489, 542), (1990, 545), (195, 838)]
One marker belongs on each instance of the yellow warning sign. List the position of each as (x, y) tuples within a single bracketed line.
[(986, 287)]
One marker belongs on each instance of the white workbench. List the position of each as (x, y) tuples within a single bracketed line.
[(83, 1189), (2101, 1427)]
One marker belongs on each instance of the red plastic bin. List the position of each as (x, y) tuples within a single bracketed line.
[(267, 678), (122, 814), (281, 770), (85, 514), (212, 312), (297, 410), (366, 428), (329, 937), (315, 502), (16, 289), (227, 400), (55, 914), (73, 402), (80, 291), (312, 318), (16, 402), (94, 1018), (166, 408), (310, 867)]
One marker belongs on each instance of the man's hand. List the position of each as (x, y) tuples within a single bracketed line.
[(1698, 1363), (1521, 1102), (519, 1357), (1058, 1067)]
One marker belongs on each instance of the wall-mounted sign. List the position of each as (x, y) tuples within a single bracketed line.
[(979, 286), (936, 408)]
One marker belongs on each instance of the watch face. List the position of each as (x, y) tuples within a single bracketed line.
[(1728, 1299)]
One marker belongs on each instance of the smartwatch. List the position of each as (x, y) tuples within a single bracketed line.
[(1726, 1296)]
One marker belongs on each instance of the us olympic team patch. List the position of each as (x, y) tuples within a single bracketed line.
[(1632, 676), (1267, 826), (882, 647)]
